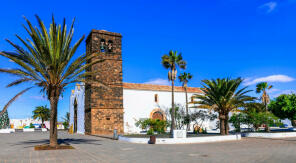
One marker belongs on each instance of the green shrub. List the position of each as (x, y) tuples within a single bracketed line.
[(150, 131), (204, 131), (155, 124), (31, 125), (237, 120), (66, 125), (267, 118)]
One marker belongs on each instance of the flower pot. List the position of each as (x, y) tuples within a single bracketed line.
[(152, 139)]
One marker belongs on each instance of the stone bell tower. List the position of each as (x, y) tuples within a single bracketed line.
[(104, 102)]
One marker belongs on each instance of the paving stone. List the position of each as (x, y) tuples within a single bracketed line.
[(19, 147)]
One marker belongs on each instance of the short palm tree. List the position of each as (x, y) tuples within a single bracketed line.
[(223, 96), (172, 61), (262, 88), (47, 62), (42, 113), (184, 79)]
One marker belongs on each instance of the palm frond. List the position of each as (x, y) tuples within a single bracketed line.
[(13, 99)]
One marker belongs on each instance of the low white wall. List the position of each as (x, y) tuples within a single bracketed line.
[(28, 129), (205, 139), (270, 135), (7, 131)]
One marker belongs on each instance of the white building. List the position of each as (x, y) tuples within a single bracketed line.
[(20, 123), (140, 101)]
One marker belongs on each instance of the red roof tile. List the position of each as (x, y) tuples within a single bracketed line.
[(153, 87)]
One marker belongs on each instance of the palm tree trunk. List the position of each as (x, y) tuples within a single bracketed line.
[(266, 107), (53, 137), (42, 123), (226, 124), (267, 129), (222, 124), (187, 114), (173, 109)]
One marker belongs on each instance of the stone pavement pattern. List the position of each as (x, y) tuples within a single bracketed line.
[(19, 147)]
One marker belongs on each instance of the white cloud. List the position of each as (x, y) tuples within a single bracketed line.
[(158, 81), (271, 78), (268, 7), (272, 90)]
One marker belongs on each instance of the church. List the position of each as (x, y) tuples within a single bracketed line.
[(98, 109)]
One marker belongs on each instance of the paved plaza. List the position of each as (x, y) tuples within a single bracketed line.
[(19, 147)]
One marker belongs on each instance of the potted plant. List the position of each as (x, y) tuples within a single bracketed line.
[(152, 139)]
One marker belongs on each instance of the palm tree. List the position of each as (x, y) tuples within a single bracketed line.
[(223, 96), (184, 78), (171, 61), (66, 120), (262, 88), (42, 113), (47, 62)]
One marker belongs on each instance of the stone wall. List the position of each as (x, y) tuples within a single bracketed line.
[(104, 99)]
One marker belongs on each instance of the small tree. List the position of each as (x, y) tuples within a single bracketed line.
[(42, 113), (181, 118), (200, 116), (4, 120), (66, 120), (237, 120), (267, 118), (284, 106)]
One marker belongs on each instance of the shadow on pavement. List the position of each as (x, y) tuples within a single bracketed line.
[(67, 141)]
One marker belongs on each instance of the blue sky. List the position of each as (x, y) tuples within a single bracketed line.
[(231, 38)]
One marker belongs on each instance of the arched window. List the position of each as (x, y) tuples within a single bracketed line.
[(102, 45), (156, 98), (110, 46)]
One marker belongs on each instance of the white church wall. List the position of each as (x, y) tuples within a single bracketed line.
[(139, 104), (79, 96)]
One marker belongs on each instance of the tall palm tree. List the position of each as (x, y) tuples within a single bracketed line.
[(47, 62), (184, 78), (262, 88), (172, 61), (42, 113), (223, 96)]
